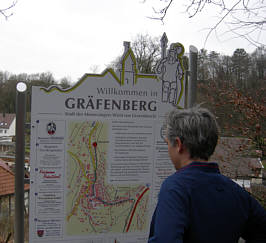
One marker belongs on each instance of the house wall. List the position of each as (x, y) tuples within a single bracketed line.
[(243, 183), (7, 206), (3, 132), (257, 179), (4, 147), (7, 133), (12, 129)]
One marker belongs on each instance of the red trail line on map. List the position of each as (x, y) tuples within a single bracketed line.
[(131, 217)]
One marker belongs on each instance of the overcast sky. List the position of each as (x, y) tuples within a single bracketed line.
[(69, 37)]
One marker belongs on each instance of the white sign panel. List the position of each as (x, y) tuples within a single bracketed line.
[(98, 156)]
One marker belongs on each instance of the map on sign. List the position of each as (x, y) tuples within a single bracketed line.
[(92, 205)]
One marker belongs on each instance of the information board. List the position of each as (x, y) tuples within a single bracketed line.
[(98, 155)]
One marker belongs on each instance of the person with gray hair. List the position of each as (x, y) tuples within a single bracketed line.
[(197, 204)]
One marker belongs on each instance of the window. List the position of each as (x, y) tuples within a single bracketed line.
[(1, 131)]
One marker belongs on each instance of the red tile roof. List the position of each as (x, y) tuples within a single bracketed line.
[(7, 180), (6, 119)]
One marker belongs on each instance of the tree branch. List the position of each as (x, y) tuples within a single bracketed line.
[(244, 13), (219, 22), (162, 12), (4, 11)]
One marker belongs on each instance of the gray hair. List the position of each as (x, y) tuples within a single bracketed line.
[(197, 129)]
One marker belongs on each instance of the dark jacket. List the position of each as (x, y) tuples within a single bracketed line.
[(199, 205)]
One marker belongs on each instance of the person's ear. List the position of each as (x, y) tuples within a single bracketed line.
[(179, 144)]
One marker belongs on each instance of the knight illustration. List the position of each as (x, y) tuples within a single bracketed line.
[(171, 72)]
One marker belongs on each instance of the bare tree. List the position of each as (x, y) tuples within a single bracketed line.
[(5, 11), (147, 52), (243, 18)]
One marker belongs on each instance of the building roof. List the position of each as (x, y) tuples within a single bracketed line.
[(7, 180), (6, 119)]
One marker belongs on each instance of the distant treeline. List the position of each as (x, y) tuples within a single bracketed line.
[(243, 69), (8, 83), (234, 88)]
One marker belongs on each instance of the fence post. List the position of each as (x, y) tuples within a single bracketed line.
[(192, 84), (19, 166)]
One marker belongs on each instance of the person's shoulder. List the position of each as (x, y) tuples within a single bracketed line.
[(230, 185), (177, 176), (230, 182), (174, 186), (177, 180)]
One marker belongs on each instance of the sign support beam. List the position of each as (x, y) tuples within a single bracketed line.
[(19, 166), (192, 88)]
